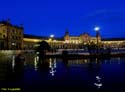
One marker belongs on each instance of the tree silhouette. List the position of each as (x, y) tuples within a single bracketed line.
[(43, 47)]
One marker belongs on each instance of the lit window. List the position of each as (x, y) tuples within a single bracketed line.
[(13, 43)]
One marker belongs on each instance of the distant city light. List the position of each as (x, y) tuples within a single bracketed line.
[(97, 28)]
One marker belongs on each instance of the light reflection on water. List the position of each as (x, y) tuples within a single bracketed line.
[(98, 83), (13, 63), (100, 72), (36, 60), (52, 66)]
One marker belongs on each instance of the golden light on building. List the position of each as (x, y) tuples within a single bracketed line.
[(31, 40), (12, 37)]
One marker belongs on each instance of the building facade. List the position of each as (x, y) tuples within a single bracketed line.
[(3, 36), (114, 42), (67, 42), (81, 39), (11, 36), (73, 42)]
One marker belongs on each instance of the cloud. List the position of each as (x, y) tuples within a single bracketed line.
[(95, 13), (106, 12)]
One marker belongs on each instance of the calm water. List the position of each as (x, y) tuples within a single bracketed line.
[(81, 75)]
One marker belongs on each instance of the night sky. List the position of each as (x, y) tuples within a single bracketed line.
[(45, 17)]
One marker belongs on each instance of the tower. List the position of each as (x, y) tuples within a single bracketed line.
[(98, 36), (66, 36)]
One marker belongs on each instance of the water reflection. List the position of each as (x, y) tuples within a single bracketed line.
[(65, 61), (52, 66), (45, 65), (115, 61), (36, 60), (98, 78), (94, 65), (85, 61), (91, 72), (18, 66), (98, 84), (77, 61), (119, 60), (13, 63), (42, 64)]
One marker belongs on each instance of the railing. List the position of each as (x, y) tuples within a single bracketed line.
[(118, 50), (84, 52)]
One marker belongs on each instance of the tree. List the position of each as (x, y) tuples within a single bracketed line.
[(43, 47)]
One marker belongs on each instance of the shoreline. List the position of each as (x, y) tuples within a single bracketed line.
[(68, 56), (76, 56)]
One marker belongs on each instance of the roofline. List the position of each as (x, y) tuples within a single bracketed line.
[(34, 36), (9, 24)]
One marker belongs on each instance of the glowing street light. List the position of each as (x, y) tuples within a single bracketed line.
[(97, 28), (52, 36), (97, 34)]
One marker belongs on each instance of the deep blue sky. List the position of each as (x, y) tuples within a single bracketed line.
[(45, 17)]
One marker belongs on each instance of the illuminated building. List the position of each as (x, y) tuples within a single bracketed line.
[(72, 42), (11, 36), (31, 41), (77, 41), (114, 42), (67, 42), (3, 36)]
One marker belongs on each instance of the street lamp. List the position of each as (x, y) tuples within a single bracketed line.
[(97, 29), (97, 34), (52, 37)]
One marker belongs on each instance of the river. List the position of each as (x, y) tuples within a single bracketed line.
[(79, 75)]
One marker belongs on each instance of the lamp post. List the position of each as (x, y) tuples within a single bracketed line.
[(97, 34), (52, 37)]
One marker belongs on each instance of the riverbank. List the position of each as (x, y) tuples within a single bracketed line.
[(4, 53), (74, 56)]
